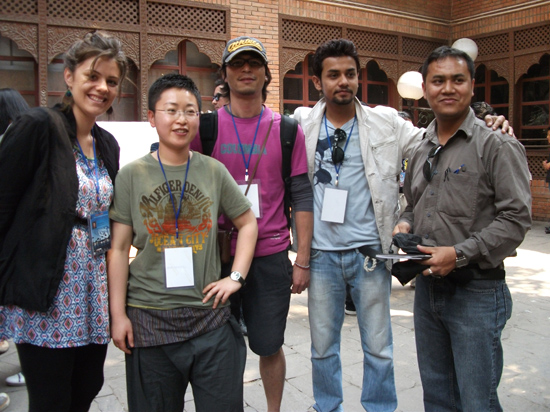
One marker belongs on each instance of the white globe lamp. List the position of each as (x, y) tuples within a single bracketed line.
[(409, 86), (468, 46)]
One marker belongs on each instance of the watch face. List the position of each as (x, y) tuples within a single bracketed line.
[(237, 277)]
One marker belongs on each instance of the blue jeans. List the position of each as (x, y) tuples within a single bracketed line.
[(370, 290), (458, 332)]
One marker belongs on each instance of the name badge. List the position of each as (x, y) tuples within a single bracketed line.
[(334, 205), (253, 195), (99, 230), (178, 267)]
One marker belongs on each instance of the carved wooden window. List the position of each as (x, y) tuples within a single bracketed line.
[(56, 81), (18, 70), (493, 89), (189, 61), (374, 87), (298, 87), (534, 107)]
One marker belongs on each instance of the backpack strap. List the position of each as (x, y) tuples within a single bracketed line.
[(289, 128), (208, 130)]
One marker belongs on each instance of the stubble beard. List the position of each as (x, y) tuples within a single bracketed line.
[(342, 102)]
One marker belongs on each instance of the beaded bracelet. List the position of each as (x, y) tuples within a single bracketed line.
[(306, 267)]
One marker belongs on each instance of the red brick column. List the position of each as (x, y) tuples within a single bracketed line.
[(541, 200), (260, 19)]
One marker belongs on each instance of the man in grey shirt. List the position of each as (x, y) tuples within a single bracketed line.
[(467, 189)]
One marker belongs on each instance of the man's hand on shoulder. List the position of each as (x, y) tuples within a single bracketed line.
[(499, 121)]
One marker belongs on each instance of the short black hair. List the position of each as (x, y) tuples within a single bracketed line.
[(12, 104), (482, 109), (172, 81), (405, 115), (334, 48), (442, 53)]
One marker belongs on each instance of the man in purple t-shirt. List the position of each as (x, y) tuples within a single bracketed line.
[(244, 126)]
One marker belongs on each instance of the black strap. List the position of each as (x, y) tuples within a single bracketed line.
[(289, 128), (208, 130)]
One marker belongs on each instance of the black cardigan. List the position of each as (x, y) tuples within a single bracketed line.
[(38, 195)]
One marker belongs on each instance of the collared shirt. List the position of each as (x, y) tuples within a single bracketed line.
[(479, 198)]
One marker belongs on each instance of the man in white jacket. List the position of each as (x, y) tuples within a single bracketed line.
[(354, 160)]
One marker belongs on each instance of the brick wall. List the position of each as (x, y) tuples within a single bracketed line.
[(494, 16), (259, 19), (428, 18), (466, 8), (541, 200)]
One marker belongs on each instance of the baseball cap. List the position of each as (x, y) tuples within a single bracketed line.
[(243, 44)]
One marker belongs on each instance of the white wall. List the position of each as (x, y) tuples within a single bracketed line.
[(134, 138)]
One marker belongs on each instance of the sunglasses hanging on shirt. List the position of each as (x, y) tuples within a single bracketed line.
[(337, 152), (430, 166)]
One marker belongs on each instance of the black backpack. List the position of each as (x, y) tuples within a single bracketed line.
[(289, 127)]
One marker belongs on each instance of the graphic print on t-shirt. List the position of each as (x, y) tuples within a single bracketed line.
[(323, 157), (194, 220)]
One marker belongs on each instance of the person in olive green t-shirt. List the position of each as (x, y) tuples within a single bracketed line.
[(169, 308)]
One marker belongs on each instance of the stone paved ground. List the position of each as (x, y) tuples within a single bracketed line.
[(526, 339)]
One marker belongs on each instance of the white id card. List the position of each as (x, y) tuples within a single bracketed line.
[(178, 267), (334, 205), (254, 196)]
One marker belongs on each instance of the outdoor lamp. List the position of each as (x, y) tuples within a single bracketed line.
[(468, 46), (409, 86)]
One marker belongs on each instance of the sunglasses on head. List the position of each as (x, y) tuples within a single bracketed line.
[(430, 165), (337, 152)]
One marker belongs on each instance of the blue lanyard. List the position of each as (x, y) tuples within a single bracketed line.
[(337, 168), (176, 214), (246, 163), (89, 169)]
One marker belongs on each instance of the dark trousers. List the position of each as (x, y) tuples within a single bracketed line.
[(157, 376), (60, 380)]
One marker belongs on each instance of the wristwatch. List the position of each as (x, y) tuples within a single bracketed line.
[(237, 277), (461, 260)]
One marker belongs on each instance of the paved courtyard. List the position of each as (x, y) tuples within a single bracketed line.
[(526, 340)]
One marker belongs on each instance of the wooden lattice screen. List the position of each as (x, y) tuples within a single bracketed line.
[(112, 11), (309, 33), (534, 37), (418, 47), (171, 16), (19, 7), (377, 42), (492, 44)]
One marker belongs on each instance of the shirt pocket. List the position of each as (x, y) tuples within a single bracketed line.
[(385, 156), (459, 193)]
